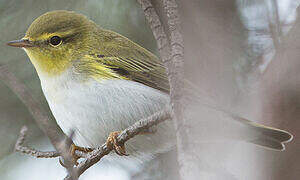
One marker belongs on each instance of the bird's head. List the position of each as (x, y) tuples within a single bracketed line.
[(55, 39)]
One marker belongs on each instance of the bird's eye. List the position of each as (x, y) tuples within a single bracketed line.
[(55, 40)]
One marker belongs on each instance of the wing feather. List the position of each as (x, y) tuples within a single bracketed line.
[(130, 60)]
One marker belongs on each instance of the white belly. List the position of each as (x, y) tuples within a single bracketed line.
[(94, 109)]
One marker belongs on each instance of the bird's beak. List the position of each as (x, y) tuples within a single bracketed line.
[(22, 43)]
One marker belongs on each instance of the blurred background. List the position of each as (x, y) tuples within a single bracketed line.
[(243, 53)]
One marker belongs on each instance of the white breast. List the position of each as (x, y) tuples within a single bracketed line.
[(94, 109)]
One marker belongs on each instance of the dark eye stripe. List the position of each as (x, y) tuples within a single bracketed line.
[(70, 37)]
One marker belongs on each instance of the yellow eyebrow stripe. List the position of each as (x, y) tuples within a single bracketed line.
[(47, 36)]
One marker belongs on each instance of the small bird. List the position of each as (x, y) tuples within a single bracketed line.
[(98, 82)]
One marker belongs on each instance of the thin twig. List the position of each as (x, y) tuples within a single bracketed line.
[(21, 147)]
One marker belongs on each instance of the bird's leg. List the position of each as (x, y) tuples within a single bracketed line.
[(78, 148), (112, 143)]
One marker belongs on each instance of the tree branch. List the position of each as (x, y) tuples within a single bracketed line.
[(39, 114), (95, 156), (157, 29), (124, 136), (172, 54)]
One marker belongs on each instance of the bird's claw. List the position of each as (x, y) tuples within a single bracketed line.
[(78, 148), (112, 143)]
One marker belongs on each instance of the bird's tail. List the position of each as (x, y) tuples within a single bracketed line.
[(267, 137), (249, 131)]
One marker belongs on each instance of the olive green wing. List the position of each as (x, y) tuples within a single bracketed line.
[(130, 61)]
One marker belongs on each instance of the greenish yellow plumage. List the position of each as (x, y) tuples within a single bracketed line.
[(95, 52), (128, 60)]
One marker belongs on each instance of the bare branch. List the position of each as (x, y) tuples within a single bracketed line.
[(68, 162), (20, 147), (157, 29), (96, 155), (175, 67), (172, 55)]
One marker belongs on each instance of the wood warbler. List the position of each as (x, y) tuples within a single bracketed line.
[(97, 81)]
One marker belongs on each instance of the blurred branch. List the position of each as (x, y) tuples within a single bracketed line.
[(275, 24), (42, 118), (40, 115)]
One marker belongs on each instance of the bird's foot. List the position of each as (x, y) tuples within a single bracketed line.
[(112, 143), (78, 148)]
